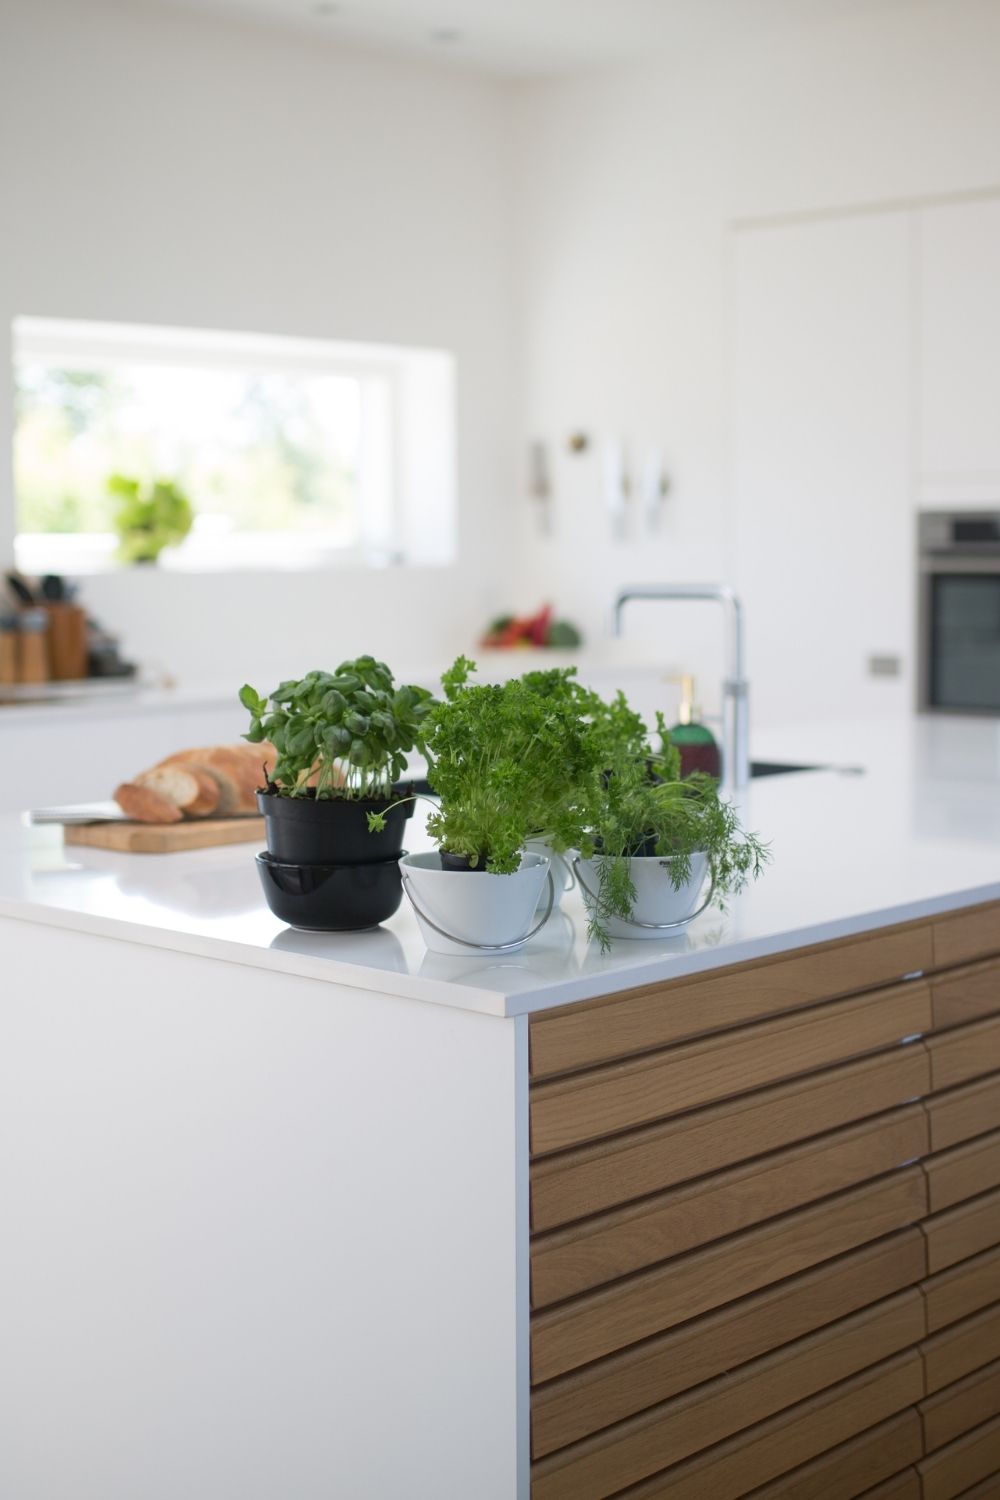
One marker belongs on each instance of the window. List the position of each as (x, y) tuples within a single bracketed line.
[(292, 452)]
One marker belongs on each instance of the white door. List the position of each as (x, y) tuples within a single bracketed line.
[(959, 353), (823, 522)]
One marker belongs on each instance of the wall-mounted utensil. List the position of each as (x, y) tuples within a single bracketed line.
[(616, 485), (654, 487)]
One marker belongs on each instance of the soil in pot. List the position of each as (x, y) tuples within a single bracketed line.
[(332, 830)]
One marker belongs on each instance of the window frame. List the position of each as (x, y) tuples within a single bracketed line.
[(385, 373)]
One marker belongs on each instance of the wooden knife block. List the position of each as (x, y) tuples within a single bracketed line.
[(67, 641)]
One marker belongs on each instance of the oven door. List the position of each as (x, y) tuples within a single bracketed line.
[(960, 634)]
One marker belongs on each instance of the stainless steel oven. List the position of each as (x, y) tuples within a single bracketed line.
[(959, 612)]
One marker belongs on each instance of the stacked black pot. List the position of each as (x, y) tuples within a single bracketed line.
[(324, 870)]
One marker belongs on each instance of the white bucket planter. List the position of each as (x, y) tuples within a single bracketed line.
[(461, 910), (561, 868), (659, 908)]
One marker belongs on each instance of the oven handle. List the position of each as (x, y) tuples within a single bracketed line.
[(942, 563)]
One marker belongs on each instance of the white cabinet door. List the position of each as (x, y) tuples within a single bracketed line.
[(959, 354), (824, 527)]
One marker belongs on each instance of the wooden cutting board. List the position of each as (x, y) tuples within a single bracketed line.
[(165, 838)]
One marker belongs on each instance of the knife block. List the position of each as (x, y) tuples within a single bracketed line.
[(67, 641)]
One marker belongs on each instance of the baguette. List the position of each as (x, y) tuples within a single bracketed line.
[(216, 779), (145, 805), (193, 791), (239, 770)]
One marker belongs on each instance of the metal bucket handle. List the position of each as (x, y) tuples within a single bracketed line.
[(646, 926), (483, 947)]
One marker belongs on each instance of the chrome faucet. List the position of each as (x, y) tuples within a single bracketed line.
[(735, 688)]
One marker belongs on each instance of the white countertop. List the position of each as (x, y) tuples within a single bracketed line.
[(915, 832)]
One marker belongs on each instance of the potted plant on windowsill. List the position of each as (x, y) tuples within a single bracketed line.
[(657, 842), (508, 764), (331, 801), (148, 518)]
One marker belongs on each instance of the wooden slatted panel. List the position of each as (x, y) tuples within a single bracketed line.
[(966, 1404), (589, 1254), (665, 1435), (966, 994), (576, 1036), (962, 1231), (567, 1112), (963, 1289), (989, 1489), (964, 1171), (963, 1463), (849, 1469), (756, 1457), (969, 1052), (604, 1321), (590, 1179), (578, 1404), (961, 1348), (965, 935), (905, 1486), (971, 1109)]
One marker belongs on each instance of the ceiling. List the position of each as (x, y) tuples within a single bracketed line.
[(525, 38)]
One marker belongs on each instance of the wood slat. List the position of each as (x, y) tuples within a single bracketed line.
[(989, 1489), (847, 1470), (966, 1404), (568, 1261), (604, 1321), (577, 1036), (961, 1348), (905, 1486), (632, 1450), (585, 1401), (971, 1109), (963, 1231), (567, 1112), (964, 1171), (966, 1053), (590, 1179), (963, 1463), (965, 935), (963, 1289), (756, 1457), (966, 994)]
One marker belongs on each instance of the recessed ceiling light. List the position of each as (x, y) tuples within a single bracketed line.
[(445, 36)]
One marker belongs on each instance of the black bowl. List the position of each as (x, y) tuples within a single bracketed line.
[(331, 898)]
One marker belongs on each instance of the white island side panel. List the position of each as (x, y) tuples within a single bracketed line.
[(260, 1233)]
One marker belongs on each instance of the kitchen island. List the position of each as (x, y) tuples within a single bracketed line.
[(303, 1215)]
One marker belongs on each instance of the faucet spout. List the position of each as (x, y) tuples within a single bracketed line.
[(735, 688)]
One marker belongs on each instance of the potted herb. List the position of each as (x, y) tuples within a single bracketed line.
[(657, 840), (342, 740), (509, 763), (148, 518)]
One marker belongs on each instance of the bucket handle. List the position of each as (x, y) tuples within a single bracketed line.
[(483, 947), (631, 921)]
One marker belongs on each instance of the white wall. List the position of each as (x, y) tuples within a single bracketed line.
[(631, 184), (164, 168)]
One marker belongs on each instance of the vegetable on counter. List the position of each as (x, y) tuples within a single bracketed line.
[(527, 631)]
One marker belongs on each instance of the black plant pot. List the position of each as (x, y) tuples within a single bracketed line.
[(332, 830), (461, 862), (333, 897)]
